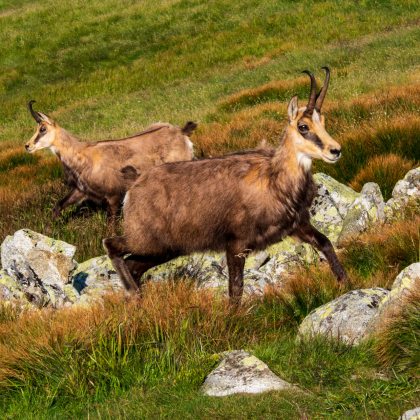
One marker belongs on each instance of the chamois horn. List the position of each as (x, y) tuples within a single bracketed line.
[(321, 95), (312, 97), (34, 114)]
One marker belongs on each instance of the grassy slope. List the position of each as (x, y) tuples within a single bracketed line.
[(107, 69)]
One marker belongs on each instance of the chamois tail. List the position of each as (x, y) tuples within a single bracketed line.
[(188, 128)]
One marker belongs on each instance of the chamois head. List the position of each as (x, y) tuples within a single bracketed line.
[(307, 127), (45, 133)]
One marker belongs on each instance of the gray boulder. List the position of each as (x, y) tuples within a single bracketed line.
[(240, 372), (347, 317), (96, 273), (366, 210), (341, 195), (401, 287), (406, 193), (12, 286), (411, 414), (32, 258), (255, 282), (330, 206), (286, 256)]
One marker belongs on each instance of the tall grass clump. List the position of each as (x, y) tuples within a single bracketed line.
[(379, 255), (86, 352), (397, 343), (385, 170)]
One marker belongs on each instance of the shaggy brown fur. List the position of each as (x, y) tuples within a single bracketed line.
[(105, 170), (239, 203)]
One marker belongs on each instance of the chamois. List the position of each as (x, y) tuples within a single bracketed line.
[(239, 202), (105, 170)]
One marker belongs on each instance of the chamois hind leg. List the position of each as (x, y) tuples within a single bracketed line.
[(235, 262), (116, 248), (307, 233), (138, 265)]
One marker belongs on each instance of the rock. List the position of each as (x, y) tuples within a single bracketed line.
[(71, 293), (401, 287), (286, 256), (326, 217), (255, 282), (347, 317), (406, 193), (256, 261), (341, 195), (12, 285), (366, 210), (32, 258), (206, 269), (240, 372), (97, 272), (411, 414)]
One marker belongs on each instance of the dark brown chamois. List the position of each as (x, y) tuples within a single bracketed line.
[(104, 170), (239, 202)]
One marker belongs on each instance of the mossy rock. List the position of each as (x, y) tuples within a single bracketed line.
[(346, 318)]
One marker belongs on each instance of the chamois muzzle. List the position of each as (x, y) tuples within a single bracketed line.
[(37, 118)]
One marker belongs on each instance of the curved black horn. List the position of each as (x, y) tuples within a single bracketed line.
[(321, 95), (34, 114), (312, 97)]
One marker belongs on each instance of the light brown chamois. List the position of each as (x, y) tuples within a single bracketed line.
[(104, 170), (237, 203)]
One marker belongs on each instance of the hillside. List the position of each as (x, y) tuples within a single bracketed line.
[(107, 69)]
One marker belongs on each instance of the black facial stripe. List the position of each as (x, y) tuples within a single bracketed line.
[(38, 137), (314, 139)]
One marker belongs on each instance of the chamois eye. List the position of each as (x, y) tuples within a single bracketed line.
[(303, 129), (43, 129)]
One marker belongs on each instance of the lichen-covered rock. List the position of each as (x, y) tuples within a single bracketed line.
[(406, 193), (206, 269), (240, 372), (326, 217), (347, 317), (71, 293), (255, 282), (411, 414), (96, 272), (257, 260), (32, 258), (12, 285), (366, 210), (342, 196), (286, 256), (401, 287)]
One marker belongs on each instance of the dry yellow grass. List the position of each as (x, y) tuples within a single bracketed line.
[(387, 169)]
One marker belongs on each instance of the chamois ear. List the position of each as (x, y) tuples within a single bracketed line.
[(46, 118), (292, 108)]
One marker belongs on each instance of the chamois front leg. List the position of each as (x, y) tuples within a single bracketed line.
[(307, 233), (74, 196), (112, 213), (235, 262)]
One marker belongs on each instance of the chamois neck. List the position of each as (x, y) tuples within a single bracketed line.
[(68, 149), (288, 162)]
